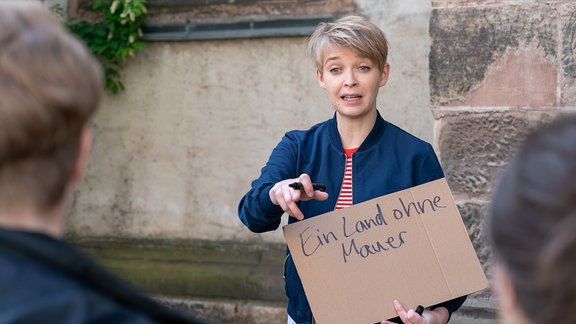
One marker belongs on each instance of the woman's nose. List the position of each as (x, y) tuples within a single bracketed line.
[(350, 79)]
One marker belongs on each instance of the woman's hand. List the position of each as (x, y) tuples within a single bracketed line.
[(437, 316), (283, 195)]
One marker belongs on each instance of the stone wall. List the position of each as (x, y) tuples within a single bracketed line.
[(497, 69)]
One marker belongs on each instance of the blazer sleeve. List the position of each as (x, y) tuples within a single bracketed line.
[(255, 209), (429, 168)]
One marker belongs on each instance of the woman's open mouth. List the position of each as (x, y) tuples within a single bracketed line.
[(351, 99)]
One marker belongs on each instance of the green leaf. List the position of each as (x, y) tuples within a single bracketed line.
[(109, 38)]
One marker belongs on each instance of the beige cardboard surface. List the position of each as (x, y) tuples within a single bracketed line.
[(410, 245)]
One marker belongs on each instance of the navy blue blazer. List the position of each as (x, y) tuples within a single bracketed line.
[(390, 159)]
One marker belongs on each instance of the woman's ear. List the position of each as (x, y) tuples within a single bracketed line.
[(384, 75), (320, 79)]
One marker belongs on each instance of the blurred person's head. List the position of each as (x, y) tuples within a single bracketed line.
[(532, 227), (50, 85)]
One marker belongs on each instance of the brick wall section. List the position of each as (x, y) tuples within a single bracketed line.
[(497, 69)]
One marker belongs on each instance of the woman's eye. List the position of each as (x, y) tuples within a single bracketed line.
[(334, 70)]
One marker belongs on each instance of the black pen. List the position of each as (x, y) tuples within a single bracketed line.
[(419, 310), (315, 186)]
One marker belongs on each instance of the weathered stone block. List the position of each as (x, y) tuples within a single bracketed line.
[(474, 3), (473, 215), (568, 16), (508, 83), (467, 41), (194, 268), (475, 146)]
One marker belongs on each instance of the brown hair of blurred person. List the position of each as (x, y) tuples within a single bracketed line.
[(51, 86), (532, 228)]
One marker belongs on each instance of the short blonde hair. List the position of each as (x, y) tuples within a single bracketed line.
[(353, 32), (50, 85)]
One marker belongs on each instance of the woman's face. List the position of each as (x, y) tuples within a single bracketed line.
[(351, 81)]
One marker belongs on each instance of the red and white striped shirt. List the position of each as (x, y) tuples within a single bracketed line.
[(345, 197)]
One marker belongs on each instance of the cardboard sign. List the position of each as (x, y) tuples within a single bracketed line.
[(410, 245)]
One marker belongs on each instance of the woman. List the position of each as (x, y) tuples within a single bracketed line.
[(357, 154)]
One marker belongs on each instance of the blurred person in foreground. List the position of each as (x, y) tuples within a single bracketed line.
[(50, 86), (532, 228)]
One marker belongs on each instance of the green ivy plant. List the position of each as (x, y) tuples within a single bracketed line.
[(115, 37)]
